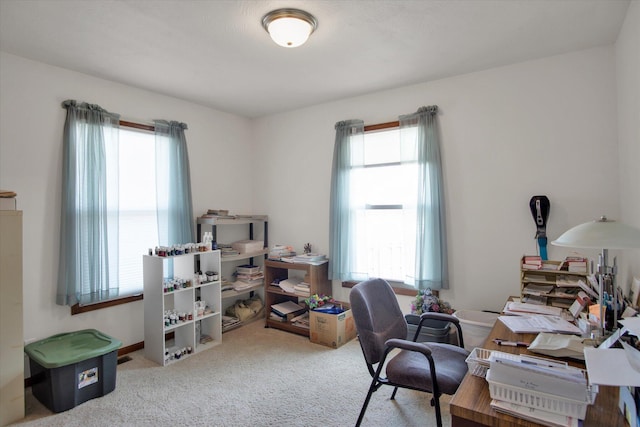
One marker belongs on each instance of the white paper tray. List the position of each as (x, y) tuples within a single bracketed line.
[(478, 360), (543, 401)]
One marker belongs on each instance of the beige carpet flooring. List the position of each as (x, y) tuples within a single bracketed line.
[(257, 377)]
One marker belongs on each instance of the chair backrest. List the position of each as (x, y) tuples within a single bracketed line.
[(377, 316)]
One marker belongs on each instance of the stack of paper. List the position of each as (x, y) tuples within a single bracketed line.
[(289, 285), (284, 308), (616, 366), (533, 324), (310, 258), (540, 390), (522, 308), (539, 375), (535, 415)]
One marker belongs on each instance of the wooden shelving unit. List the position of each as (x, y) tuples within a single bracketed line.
[(315, 275), (562, 284)]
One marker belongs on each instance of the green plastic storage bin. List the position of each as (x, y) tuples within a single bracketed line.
[(71, 368)]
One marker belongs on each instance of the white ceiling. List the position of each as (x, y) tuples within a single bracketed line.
[(216, 53)]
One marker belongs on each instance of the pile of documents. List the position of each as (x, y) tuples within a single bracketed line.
[(310, 258), (279, 251), (540, 390), (229, 322), (524, 318), (249, 275), (613, 366), (301, 321), (295, 285), (285, 311)]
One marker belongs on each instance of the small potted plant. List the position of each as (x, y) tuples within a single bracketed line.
[(435, 330)]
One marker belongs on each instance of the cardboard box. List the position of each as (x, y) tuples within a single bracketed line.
[(332, 330), (7, 203), (248, 246)]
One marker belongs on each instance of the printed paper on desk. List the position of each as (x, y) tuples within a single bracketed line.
[(633, 356), (610, 367), (632, 324), (538, 323), (521, 308), (558, 345)]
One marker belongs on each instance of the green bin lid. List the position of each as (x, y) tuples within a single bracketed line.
[(73, 347)]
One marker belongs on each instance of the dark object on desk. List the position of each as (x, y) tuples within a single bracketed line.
[(435, 368)]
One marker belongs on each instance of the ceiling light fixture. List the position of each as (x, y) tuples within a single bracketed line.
[(289, 27)]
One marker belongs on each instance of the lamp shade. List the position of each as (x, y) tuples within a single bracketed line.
[(289, 27), (600, 234)]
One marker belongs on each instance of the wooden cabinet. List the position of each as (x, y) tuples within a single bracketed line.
[(197, 305), (550, 285), (315, 275), (11, 328)]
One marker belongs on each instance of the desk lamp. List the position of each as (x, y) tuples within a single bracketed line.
[(602, 234)]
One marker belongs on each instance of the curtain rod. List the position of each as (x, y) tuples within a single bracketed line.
[(380, 126), (135, 125)]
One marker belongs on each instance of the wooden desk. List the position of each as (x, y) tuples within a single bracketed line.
[(470, 406)]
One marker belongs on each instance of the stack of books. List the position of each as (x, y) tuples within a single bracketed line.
[(277, 252), (249, 274), (540, 390), (286, 311), (310, 258), (295, 285), (576, 264), (531, 262), (301, 321), (229, 322), (226, 250), (302, 289)]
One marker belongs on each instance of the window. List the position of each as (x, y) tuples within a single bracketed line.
[(138, 223), (384, 221), (114, 204), (131, 166), (387, 216)]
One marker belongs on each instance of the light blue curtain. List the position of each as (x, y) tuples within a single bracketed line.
[(173, 178), (431, 264), (349, 135), (88, 257)]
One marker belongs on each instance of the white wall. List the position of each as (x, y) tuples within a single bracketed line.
[(628, 90), (31, 122), (541, 127)]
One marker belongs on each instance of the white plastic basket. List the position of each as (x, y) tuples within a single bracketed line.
[(543, 401), (478, 360)]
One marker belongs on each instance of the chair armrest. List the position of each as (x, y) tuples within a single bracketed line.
[(444, 317), (409, 345), (439, 316)]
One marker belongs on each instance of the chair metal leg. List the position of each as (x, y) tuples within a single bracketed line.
[(372, 388), (436, 399), (393, 395)]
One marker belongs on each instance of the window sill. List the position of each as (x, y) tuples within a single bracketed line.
[(396, 289), (79, 309)]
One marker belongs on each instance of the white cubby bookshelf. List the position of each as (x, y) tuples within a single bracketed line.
[(160, 339)]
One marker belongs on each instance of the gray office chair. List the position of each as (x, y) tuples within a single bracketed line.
[(434, 368)]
